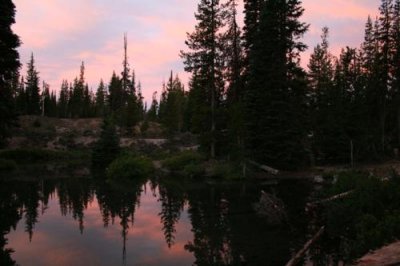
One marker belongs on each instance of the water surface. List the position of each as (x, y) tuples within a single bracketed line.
[(168, 222)]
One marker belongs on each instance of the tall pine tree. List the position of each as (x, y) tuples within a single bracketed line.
[(32, 88), (275, 97), (10, 64), (204, 61)]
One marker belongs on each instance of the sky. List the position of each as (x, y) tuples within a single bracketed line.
[(61, 34)]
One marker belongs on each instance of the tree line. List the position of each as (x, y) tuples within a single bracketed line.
[(249, 96)]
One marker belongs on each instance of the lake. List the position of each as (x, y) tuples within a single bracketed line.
[(168, 221)]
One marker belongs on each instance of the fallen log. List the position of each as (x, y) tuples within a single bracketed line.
[(265, 168), (335, 197), (300, 254)]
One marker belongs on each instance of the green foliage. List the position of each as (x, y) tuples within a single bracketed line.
[(130, 167), (226, 170), (7, 165), (180, 161), (107, 147), (193, 170), (366, 219), (275, 98), (9, 67)]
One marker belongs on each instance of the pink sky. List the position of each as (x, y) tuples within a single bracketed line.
[(62, 33)]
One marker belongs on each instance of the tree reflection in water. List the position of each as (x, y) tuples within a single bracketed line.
[(225, 229)]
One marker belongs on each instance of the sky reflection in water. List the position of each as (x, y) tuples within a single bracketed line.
[(57, 239), (89, 222)]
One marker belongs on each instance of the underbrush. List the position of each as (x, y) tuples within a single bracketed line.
[(128, 167), (368, 218)]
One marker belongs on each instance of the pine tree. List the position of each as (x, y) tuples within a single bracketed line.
[(204, 61), (100, 102), (234, 66), (140, 103), (107, 147), (62, 104), (10, 64), (173, 104), (320, 80), (32, 88), (275, 96), (396, 67), (153, 111), (21, 98)]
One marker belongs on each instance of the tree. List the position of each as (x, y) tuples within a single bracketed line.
[(173, 105), (204, 61), (234, 68), (321, 100), (107, 147), (275, 96), (153, 111), (32, 88), (10, 64), (49, 103), (100, 101), (62, 104)]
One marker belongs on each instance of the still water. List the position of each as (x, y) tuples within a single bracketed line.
[(164, 222)]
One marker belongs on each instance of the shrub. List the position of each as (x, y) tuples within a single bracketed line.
[(183, 159), (194, 170), (107, 147), (366, 219), (225, 170), (7, 165), (130, 167)]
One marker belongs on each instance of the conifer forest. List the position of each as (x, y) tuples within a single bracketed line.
[(251, 152)]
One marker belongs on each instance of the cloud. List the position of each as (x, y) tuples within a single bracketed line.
[(61, 34)]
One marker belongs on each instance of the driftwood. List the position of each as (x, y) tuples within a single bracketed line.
[(335, 197), (300, 254), (265, 168), (270, 207)]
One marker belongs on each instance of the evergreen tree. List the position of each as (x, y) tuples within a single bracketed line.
[(10, 64), (32, 88), (396, 68), (100, 102), (275, 97), (107, 147), (205, 61), (140, 103), (173, 105), (114, 93), (320, 79), (234, 66), (152, 113), (21, 100), (62, 105)]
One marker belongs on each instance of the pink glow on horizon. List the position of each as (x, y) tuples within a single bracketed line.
[(61, 34)]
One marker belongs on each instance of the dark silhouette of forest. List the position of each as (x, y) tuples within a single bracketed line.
[(248, 96)]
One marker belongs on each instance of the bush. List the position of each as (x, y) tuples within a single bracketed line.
[(183, 159), (225, 170), (7, 165), (194, 170), (366, 219), (107, 147), (130, 167)]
